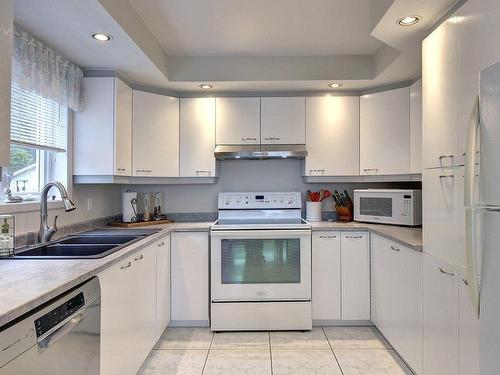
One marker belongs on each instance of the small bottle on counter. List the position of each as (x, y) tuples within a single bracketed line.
[(6, 235)]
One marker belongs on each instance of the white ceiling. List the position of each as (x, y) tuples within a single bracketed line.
[(260, 27), (239, 45)]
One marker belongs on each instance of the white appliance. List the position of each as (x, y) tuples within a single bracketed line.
[(260, 263), (388, 206)]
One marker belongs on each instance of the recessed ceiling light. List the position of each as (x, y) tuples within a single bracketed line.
[(335, 85), (409, 20), (102, 37), (206, 86)]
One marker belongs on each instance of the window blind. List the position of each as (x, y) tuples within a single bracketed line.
[(37, 121)]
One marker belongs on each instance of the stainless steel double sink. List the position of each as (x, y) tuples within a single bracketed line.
[(92, 244)]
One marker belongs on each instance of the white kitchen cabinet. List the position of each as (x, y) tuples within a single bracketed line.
[(197, 137), (128, 301), (238, 121), (332, 136), (355, 264), (283, 120), (102, 134), (6, 37), (440, 317), (385, 132), (468, 330), (443, 214), (440, 96), (326, 293), (155, 135), (190, 278), (162, 285), (416, 127), (396, 284)]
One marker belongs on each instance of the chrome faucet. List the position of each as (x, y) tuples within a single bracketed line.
[(46, 232)]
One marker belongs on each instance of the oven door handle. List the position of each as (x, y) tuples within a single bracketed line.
[(261, 233)]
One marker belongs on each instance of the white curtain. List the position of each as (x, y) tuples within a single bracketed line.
[(38, 68)]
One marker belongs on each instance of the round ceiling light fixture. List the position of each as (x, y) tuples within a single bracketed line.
[(102, 37), (335, 85), (206, 86), (409, 20)]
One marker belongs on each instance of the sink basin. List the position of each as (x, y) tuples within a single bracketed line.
[(66, 251), (97, 240)]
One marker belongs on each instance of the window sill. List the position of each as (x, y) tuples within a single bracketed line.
[(15, 208)]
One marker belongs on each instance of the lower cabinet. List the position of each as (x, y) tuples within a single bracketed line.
[(128, 312), (355, 266), (325, 276), (440, 317), (396, 281), (190, 278), (162, 285)]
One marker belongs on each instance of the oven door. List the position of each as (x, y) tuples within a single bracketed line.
[(261, 265)]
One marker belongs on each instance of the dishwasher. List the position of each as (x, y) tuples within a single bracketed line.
[(60, 337)]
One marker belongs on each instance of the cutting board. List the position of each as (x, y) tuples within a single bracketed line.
[(140, 223)]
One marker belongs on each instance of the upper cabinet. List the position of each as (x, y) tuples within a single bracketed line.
[(156, 135), (332, 124), (238, 121), (385, 132), (416, 127), (283, 120), (103, 130), (6, 16), (197, 137)]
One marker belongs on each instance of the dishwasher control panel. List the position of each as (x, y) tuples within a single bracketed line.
[(62, 312)]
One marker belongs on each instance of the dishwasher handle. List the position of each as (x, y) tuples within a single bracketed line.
[(62, 331)]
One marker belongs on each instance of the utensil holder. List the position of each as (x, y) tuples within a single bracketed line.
[(345, 214), (313, 211)]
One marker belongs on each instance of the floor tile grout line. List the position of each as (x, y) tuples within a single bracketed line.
[(208, 352), (270, 352), (333, 352)]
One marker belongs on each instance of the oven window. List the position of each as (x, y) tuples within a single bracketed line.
[(375, 206), (266, 261)]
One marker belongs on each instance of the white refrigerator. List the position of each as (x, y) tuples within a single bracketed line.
[(482, 216)]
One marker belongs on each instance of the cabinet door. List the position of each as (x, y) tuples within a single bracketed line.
[(332, 136), (162, 285), (118, 320), (197, 137), (238, 121), (385, 132), (443, 214), (440, 317), (355, 263), (190, 284), (123, 129), (326, 276), (416, 127), (283, 120), (156, 135), (468, 330), (93, 131), (440, 96)]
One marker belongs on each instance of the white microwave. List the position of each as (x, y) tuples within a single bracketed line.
[(388, 206)]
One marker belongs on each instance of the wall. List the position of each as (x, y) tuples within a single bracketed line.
[(246, 175), (106, 202)]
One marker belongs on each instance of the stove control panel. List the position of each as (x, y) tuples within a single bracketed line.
[(259, 201)]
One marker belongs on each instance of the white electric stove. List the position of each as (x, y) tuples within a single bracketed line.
[(260, 263)]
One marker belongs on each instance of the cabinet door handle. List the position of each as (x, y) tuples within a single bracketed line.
[(446, 272), (327, 236), (447, 176), (198, 172), (161, 244), (121, 169), (445, 157), (354, 237), (144, 170), (139, 257), (465, 282), (272, 138), (394, 248), (129, 264)]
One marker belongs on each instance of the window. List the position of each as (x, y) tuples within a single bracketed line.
[(38, 143)]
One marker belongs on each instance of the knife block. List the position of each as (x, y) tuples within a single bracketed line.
[(345, 214)]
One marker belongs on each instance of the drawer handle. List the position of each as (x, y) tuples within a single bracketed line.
[(394, 248), (447, 176), (445, 272), (126, 266), (144, 170), (355, 237), (161, 244), (272, 138), (139, 257), (445, 156), (327, 236), (121, 169), (203, 172)]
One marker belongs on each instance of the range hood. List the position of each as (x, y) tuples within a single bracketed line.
[(260, 152)]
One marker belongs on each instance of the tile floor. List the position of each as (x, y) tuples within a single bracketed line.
[(324, 350)]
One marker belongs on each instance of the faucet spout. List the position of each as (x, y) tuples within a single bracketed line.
[(46, 232)]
